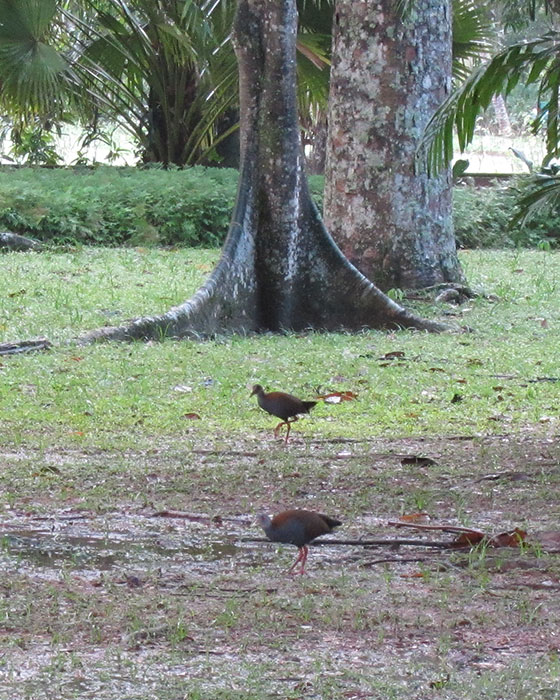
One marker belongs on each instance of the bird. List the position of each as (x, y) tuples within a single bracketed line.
[(297, 527), (281, 405), (519, 154)]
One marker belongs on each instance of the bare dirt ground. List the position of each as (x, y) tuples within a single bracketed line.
[(134, 576)]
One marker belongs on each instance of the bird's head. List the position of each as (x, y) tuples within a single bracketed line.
[(257, 389), (263, 520)]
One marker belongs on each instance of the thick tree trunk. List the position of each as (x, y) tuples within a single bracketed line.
[(502, 116), (279, 269), (387, 78)]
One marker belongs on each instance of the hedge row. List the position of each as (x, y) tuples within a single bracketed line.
[(119, 206), (127, 206)]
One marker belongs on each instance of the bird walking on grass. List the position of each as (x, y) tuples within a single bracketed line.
[(297, 527), (281, 405)]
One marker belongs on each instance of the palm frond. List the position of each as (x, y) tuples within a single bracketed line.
[(316, 15), (403, 7), (497, 77), (517, 14), (31, 70), (26, 18), (541, 192), (472, 30)]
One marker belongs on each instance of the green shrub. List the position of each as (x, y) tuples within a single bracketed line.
[(316, 186), (129, 206), (481, 215), (117, 206), (481, 218)]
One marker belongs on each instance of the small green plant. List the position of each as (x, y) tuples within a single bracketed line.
[(229, 616), (179, 632), (34, 145)]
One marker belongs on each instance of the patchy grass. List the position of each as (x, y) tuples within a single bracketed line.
[(100, 597), (498, 379)]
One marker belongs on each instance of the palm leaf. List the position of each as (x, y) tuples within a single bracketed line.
[(541, 192), (32, 71), (315, 16), (471, 31), (498, 76)]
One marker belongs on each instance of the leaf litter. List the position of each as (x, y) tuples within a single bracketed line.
[(165, 589)]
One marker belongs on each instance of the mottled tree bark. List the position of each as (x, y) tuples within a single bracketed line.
[(279, 269), (388, 76), (502, 116)]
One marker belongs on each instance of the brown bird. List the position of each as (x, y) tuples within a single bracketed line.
[(281, 405), (297, 527)]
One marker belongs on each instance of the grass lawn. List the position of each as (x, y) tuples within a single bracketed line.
[(130, 475)]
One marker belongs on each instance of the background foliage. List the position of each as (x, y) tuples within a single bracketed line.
[(192, 207), (116, 206)]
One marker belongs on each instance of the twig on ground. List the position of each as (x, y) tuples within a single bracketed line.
[(392, 560), (25, 346), (365, 543), (441, 528)]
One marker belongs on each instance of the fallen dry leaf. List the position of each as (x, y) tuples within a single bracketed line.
[(338, 396), (468, 539), (415, 518), (48, 469), (395, 355), (513, 538)]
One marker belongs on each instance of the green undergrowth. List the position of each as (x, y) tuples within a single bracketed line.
[(117, 206), (502, 377), (121, 206), (114, 206), (482, 218)]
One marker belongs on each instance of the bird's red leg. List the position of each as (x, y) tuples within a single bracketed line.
[(277, 429), (288, 423), (302, 557), (287, 432), (301, 554)]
